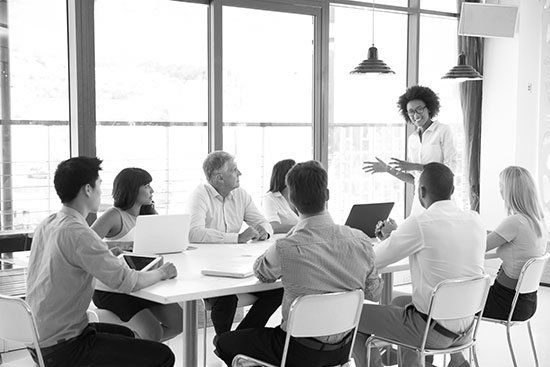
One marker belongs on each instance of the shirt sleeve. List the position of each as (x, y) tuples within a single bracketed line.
[(93, 255), (269, 207), (403, 242), (198, 233), (373, 282), (252, 215), (450, 156), (509, 227), (267, 267)]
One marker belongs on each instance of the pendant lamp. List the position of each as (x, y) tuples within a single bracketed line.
[(462, 72), (372, 64)]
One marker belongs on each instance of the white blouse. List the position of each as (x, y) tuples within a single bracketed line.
[(437, 146), (277, 209)]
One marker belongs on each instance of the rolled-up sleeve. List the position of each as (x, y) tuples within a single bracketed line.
[(450, 156), (93, 255), (267, 267), (252, 215), (373, 282)]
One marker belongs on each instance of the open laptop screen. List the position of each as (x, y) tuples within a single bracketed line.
[(365, 216)]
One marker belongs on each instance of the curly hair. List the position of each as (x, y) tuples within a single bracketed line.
[(425, 94)]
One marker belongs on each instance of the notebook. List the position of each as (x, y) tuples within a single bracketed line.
[(365, 216), (161, 234), (232, 269)]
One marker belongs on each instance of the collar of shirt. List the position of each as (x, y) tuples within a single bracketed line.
[(276, 194), (214, 193), (441, 205), (319, 220), (430, 129), (73, 213)]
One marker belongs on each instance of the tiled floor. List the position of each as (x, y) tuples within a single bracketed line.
[(492, 345)]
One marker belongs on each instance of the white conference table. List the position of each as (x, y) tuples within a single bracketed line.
[(190, 286)]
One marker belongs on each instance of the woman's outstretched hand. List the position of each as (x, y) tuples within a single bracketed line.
[(374, 167)]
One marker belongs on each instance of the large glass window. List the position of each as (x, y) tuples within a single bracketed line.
[(440, 5), (152, 94), (267, 91), (34, 108), (363, 118), (438, 54)]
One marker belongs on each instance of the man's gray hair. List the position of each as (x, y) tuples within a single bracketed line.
[(214, 162)]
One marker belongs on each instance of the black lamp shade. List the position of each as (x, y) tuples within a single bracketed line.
[(463, 71), (372, 64)]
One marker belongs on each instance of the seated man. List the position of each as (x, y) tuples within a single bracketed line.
[(442, 243), (316, 256), (218, 209), (65, 257)]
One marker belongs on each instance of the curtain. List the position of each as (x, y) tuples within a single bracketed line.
[(470, 99)]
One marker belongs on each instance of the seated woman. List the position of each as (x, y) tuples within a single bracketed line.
[(275, 204), (133, 195), (518, 238)]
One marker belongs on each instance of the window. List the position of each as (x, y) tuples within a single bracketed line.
[(438, 54), (152, 94), (34, 108), (268, 91), (439, 5), (363, 120)]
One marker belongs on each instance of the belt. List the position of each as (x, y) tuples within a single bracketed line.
[(437, 327), (315, 344)]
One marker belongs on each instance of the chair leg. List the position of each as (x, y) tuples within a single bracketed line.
[(473, 351), (510, 345), (204, 340), (532, 343)]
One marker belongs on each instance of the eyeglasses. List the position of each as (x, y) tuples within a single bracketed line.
[(417, 110)]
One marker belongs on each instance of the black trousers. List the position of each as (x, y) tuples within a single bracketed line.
[(107, 345), (267, 344), (223, 310), (122, 305), (499, 303)]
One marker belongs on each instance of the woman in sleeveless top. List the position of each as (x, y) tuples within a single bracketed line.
[(133, 196)]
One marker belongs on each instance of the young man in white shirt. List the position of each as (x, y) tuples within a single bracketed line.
[(218, 209), (65, 258), (317, 256), (443, 242)]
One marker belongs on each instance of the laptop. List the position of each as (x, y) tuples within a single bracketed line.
[(365, 216), (161, 234)]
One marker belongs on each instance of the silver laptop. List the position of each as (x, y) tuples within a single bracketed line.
[(161, 234)]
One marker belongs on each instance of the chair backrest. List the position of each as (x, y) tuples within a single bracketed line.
[(458, 298), (531, 274), (324, 314), (17, 323)]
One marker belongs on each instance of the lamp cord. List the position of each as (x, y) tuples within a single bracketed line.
[(372, 23)]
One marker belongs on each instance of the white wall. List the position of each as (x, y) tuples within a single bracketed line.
[(510, 106)]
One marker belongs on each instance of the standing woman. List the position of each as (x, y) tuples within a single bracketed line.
[(280, 214), (133, 195), (431, 142)]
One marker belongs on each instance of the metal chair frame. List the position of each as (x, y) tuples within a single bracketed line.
[(541, 261), (422, 347)]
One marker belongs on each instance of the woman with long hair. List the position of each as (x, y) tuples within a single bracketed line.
[(275, 203), (521, 236), (133, 196)]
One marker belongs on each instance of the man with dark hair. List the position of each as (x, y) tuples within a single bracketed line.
[(443, 242), (317, 256), (66, 256)]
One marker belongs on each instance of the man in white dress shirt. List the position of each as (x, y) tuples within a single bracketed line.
[(218, 209), (443, 242)]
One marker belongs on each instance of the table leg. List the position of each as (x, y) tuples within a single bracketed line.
[(385, 299), (190, 327)]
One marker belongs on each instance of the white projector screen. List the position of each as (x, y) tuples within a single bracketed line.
[(487, 20)]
